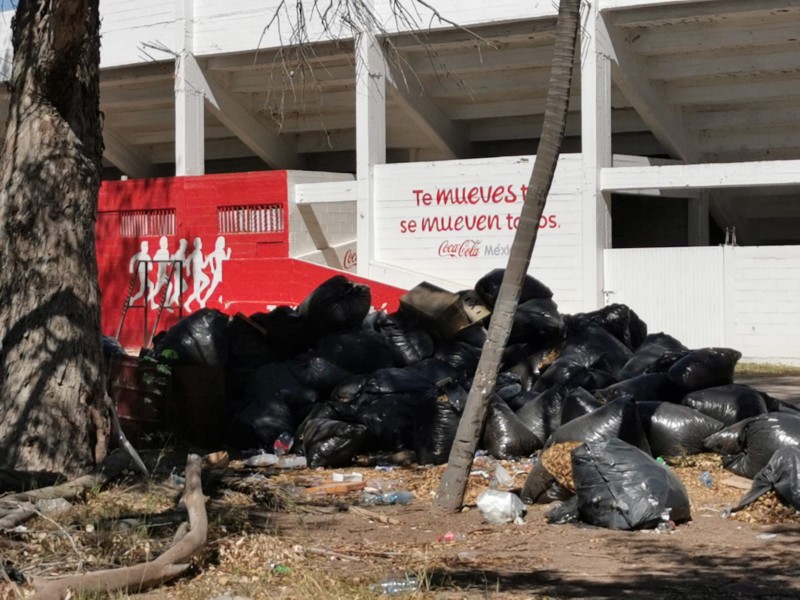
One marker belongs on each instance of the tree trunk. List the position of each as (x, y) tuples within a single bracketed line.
[(51, 385), (454, 480)]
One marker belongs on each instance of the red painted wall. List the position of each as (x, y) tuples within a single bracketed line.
[(258, 274)]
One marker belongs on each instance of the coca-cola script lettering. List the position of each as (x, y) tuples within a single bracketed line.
[(464, 249), (350, 259)]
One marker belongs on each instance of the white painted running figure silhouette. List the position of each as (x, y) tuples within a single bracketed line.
[(143, 258), (215, 259), (194, 264)]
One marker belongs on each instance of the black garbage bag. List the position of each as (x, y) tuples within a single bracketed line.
[(727, 441), (329, 443), (620, 487), (614, 318), (318, 373), (389, 420), (436, 423), (542, 415), (275, 380), (542, 488), (288, 332), (350, 390), (653, 347), (199, 339), (578, 402), (782, 474), (664, 362), (704, 368), (111, 347), (249, 348), (507, 386), (434, 370), (781, 406), (337, 304), (520, 400), (357, 351), (618, 419), (260, 423), (488, 287), (474, 335), (675, 430), (459, 355), (589, 344), (409, 340), (571, 373), (760, 438), (638, 330), (536, 322), (651, 387), (394, 380), (525, 361), (505, 436), (727, 403)]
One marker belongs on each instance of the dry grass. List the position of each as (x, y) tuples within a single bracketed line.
[(766, 369), (267, 540)]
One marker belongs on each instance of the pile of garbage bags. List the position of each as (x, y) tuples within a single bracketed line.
[(345, 381)]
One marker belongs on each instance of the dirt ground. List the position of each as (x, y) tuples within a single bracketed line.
[(295, 546)]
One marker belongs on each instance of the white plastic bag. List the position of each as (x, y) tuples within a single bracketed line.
[(501, 507)]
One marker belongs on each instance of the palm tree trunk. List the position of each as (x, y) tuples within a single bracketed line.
[(453, 484)]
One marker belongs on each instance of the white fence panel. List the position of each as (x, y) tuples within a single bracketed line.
[(762, 289), (675, 290)]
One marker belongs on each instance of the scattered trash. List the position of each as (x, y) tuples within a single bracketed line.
[(396, 585), (501, 507), (451, 537), (502, 478), (261, 460), (397, 497), (336, 488), (766, 536), (280, 569), (706, 479), (292, 462), (666, 525), (348, 477), (283, 443)]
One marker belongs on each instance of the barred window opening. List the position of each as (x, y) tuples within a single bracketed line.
[(263, 218), (139, 223)]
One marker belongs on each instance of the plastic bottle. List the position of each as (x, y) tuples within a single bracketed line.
[(396, 585), (706, 479), (282, 444), (396, 497)]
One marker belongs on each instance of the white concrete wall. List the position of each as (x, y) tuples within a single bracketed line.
[(739, 297), (241, 25), (675, 290), (331, 225), (127, 25), (408, 247), (762, 301)]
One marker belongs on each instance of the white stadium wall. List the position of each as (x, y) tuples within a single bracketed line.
[(451, 222), (740, 297)]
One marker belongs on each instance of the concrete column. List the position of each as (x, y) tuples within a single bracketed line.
[(189, 96), (370, 137), (698, 219), (596, 50)]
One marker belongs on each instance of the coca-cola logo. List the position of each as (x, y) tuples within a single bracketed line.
[(350, 259), (464, 249)]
